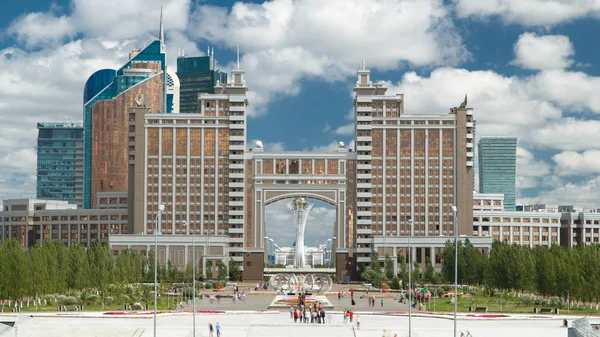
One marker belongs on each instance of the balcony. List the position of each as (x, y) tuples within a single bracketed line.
[(237, 138), (236, 203), (364, 167), (469, 124), (364, 148), (363, 109), (364, 195), (364, 204), (469, 136), (236, 194), (364, 139), (363, 213), (237, 147), (236, 213)]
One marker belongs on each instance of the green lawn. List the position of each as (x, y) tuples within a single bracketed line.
[(496, 306), (164, 303)]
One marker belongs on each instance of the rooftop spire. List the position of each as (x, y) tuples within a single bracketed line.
[(161, 31), (364, 63), (238, 56)]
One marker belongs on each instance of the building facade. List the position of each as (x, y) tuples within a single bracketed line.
[(60, 162), (197, 75), (35, 221), (314, 256), (142, 65), (497, 167)]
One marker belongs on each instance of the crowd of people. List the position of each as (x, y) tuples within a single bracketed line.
[(307, 314)]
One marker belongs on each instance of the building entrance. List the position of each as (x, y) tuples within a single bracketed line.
[(276, 176)]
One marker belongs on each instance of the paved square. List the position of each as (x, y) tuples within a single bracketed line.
[(272, 324)]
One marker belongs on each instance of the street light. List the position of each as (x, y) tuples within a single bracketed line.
[(193, 278), (454, 210), (410, 266), (161, 208)]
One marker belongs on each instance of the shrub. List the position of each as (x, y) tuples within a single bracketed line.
[(124, 298), (208, 285), (439, 292), (109, 300), (70, 300)]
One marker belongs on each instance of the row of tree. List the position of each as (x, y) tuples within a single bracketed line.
[(54, 268), (556, 271)]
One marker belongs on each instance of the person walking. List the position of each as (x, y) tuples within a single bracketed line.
[(357, 322), (210, 330), (291, 312), (218, 328), (382, 302), (339, 295)]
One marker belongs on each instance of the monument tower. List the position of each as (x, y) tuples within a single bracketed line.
[(300, 207)]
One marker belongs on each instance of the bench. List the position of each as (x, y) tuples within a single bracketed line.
[(137, 306), (546, 311), (70, 308), (479, 309)]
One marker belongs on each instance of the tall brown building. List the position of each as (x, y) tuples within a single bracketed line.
[(410, 171), (402, 181), (110, 128)]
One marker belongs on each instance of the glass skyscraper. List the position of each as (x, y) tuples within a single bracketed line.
[(128, 76), (60, 162), (498, 167), (196, 75)]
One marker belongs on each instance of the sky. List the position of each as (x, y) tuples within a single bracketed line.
[(528, 67)]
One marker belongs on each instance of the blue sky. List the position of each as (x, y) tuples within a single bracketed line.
[(529, 68)]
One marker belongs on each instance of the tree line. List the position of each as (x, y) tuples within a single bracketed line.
[(568, 273), (54, 268)]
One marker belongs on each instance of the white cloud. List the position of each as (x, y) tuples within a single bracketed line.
[(345, 130), (573, 90), (501, 106), (118, 19), (338, 29), (570, 163), (585, 194), (326, 128), (529, 12), (316, 39), (543, 52), (567, 134), (35, 29), (529, 170)]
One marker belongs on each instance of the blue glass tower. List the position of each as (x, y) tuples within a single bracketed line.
[(196, 75), (60, 162), (123, 80), (97, 82), (498, 167)]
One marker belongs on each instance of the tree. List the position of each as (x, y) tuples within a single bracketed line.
[(235, 273), (403, 271), (14, 268), (223, 272), (416, 273), (79, 273), (430, 274), (389, 267)]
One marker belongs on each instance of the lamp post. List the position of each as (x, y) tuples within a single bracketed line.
[(454, 210), (410, 266), (193, 279), (161, 208)]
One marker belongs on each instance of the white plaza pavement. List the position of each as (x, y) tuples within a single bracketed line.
[(272, 325)]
